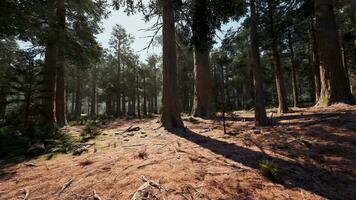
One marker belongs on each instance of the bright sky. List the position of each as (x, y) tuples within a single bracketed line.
[(134, 25)]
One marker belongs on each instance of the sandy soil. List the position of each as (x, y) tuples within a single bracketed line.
[(313, 150)]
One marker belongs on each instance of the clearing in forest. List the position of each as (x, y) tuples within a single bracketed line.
[(307, 154)]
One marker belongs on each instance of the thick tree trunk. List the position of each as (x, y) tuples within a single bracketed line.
[(260, 110), (60, 88), (171, 115), (338, 90), (311, 77), (72, 108), (48, 116), (78, 95), (281, 91), (202, 83), (294, 70), (316, 62)]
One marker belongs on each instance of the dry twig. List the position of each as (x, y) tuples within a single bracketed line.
[(65, 185)]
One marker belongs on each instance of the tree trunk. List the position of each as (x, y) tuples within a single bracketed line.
[(93, 93), (260, 110), (108, 105), (202, 83), (138, 95), (155, 91), (60, 88), (72, 108), (144, 95), (338, 90), (294, 70), (281, 91), (48, 116), (119, 112), (78, 96), (316, 62), (171, 115)]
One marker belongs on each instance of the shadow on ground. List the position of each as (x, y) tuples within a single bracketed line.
[(328, 184)]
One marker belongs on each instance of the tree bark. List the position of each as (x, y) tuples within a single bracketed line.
[(78, 96), (316, 62), (119, 112), (144, 95), (48, 116), (93, 93), (202, 83), (60, 88), (138, 94), (260, 110), (171, 115), (338, 90), (281, 91), (155, 90), (294, 70)]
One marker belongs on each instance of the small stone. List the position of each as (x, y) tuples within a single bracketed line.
[(126, 139)]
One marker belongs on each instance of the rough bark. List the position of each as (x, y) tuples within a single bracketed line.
[(281, 91), (78, 95), (202, 83), (48, 116), (338, 90), (60, 88), (260, 110), (294, 70), (316, 62), (170, 113)]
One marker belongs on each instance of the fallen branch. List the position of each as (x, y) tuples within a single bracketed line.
[(29, 164), (133, 145), (96, 196), (131, 129), (145, 191), (65, 185), (150, 163), (178, 156), (27, 194)]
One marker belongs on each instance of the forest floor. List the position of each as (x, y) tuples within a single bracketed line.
[(308, 153)]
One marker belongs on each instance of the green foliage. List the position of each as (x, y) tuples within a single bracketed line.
[(90, 131), (269, 170), (11, 142)]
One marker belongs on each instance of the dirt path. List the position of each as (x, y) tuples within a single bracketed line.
[(313, 151)]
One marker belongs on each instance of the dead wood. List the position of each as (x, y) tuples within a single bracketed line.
[(29, 164), (146, 190), (26, 194), (81, 148), (96, 196), (65, 185), (131, 129), (147, 164), (132, 145)]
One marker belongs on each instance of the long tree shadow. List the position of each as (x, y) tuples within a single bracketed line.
[(325, 183)]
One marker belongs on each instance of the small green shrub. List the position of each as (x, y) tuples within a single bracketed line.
[(269, 170)]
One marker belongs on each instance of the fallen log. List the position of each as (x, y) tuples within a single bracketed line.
[(65, 186)]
